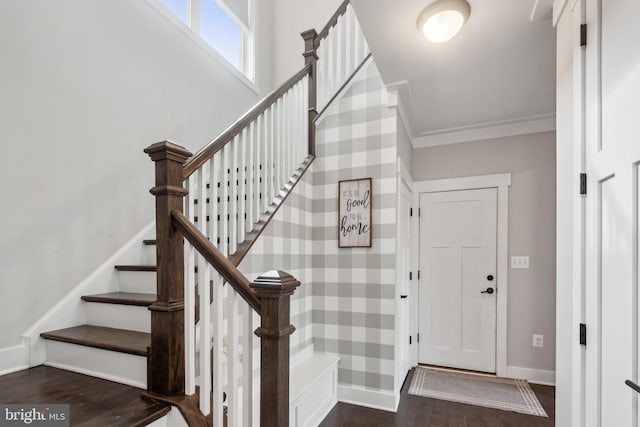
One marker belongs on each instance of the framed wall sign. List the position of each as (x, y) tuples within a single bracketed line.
[(354, 213)]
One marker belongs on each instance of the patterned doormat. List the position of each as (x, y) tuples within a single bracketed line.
[(476, 389)]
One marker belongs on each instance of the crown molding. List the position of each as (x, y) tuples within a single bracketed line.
[(522, 126)]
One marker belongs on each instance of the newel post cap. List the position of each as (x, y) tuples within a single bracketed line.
[(275, 281), (167, 150), (309, 34)]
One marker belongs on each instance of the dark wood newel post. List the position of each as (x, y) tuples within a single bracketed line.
[(274, 289), (166, 359), (311, 57)]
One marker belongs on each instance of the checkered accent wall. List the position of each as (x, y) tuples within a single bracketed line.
[(286, 245), (353, 288)]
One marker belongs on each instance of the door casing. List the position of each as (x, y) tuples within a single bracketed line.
[(501, 182)]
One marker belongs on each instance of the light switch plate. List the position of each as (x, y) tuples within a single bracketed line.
[(519, 262)]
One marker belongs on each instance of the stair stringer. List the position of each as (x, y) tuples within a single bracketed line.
[(69, 311)]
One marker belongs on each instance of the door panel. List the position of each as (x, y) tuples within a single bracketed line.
[(457, 253), (612, 80)]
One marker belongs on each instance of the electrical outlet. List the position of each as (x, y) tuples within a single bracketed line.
[(519, 262), (537, 340)]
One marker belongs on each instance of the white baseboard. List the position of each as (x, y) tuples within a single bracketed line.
[(69, 311), (384, 400), (14, 359), (536, 376)]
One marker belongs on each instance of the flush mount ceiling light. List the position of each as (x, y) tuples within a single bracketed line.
[(443, 19)]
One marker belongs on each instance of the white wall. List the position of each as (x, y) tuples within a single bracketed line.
[(85, 86), (532, 228), (290, 18)]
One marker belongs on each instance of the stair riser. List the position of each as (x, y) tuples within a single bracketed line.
[(148, 255), (137, 281), (134, 318), (110, 365)]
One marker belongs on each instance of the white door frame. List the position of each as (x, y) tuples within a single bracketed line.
[(501, 182)]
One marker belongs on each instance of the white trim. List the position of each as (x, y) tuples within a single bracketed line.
[(404, 175), (14, 359), (193, 35), (558, 9), (384, 400), (535, 376), (406, 106), (522, 126), (542, 9), (69, 311), (502, 183)]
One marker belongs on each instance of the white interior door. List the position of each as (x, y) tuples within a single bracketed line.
[(612, 158), (457, 283)]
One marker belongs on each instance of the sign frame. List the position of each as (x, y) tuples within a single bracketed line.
[(360, 211)]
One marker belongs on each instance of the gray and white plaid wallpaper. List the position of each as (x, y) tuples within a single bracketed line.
[(345, 304), (286, 245), (353, 288)]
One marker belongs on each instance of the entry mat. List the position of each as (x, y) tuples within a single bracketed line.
[(476, 389)]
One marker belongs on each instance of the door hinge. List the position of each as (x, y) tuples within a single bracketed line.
[(583, 334), (418, 211), (410, 276), (418, 337), (583, 34), (410, 211), (418, 274), (583, 184), (409, 339)]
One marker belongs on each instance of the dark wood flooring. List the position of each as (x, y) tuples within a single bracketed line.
[(93, 401), (425, 412)]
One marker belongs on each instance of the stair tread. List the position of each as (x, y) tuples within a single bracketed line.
[(138, 267), (120, 340), (123, 298)]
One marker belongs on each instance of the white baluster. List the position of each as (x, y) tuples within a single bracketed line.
[(223, 223), (217, 314), (250, 176), (268, 160), (234, 364), (280, 143), (340, 70), (212, 208), (190, 302), (247, 366), (242, 190), (350, 62), (321, 66), (204, 273), (258, 167), (233, 192)]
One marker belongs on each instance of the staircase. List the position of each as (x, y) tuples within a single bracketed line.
[(114, 342), (192, 346)]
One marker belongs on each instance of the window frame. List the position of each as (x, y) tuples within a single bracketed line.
[(246, 72)]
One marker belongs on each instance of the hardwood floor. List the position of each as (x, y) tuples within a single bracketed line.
[(425, 412), (93, 401)]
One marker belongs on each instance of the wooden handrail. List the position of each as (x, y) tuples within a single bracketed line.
[(332, 22), (231, 274), (206, 153)]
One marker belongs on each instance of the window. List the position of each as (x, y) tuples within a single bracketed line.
[(221, 24)]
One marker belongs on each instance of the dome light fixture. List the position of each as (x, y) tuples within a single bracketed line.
[(443, 19)]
